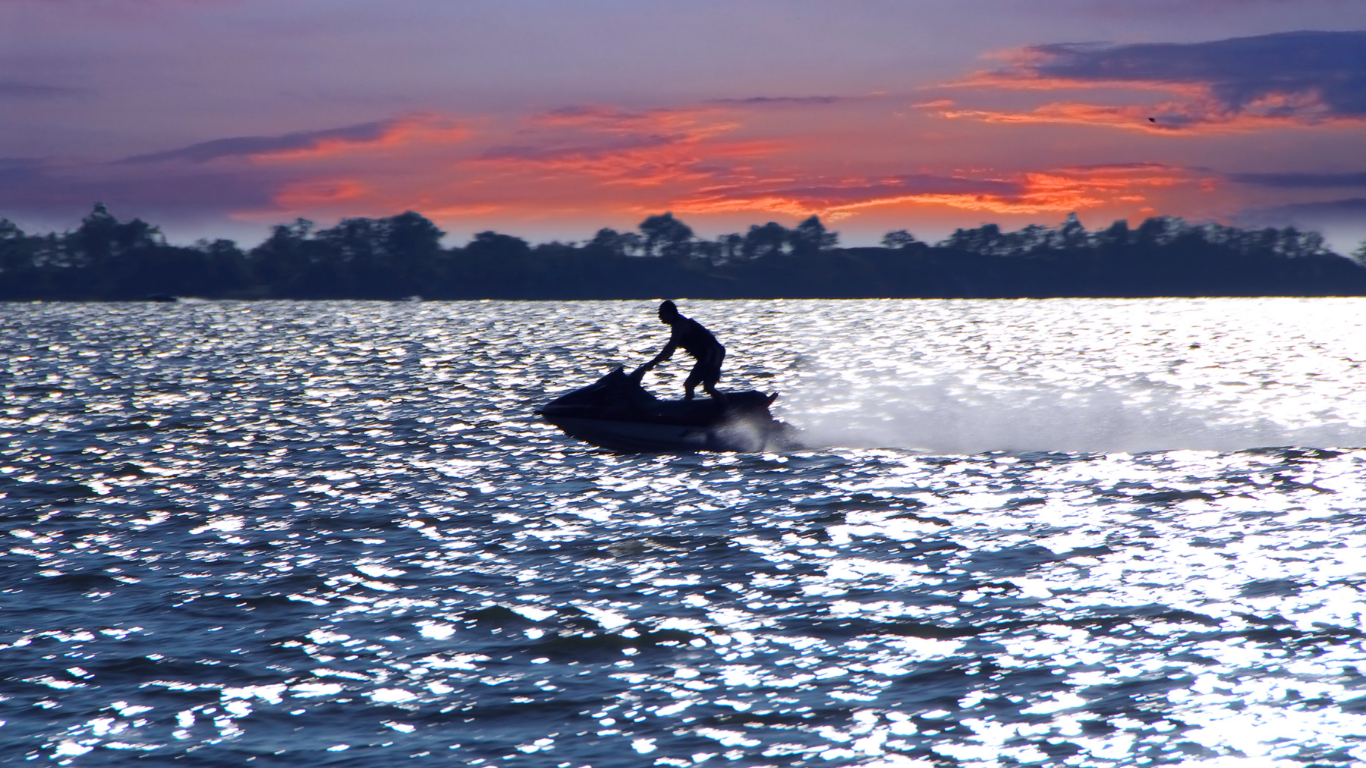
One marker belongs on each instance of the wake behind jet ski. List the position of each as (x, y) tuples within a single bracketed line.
[(616, 413)]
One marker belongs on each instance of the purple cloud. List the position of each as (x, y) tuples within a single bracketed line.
[(1321, 211), (19, 170), (1343, 221), (18, 89), (45, 191), (911, 184), (1280, 71), (1301, 180), (781, 101), (553, 152), (246, 146)]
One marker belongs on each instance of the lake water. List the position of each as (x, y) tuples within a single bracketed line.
[(1037, 532)]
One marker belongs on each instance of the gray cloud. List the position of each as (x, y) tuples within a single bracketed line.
[(1324, 210), (532, 153), (48, 191), (911, 184), (1326, 67), (1301, 180), (256, 145), (18, 89), (778, 101), (19, 170), (1343, 221)]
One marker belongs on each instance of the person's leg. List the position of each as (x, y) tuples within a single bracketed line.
[(695, 377), (711, 375), (709, 386), (707, 372)]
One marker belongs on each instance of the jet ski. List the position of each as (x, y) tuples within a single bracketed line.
[(617, 413)]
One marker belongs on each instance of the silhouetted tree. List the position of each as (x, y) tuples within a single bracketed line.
[(765, 240), (666, 235), (1159, 230), (101, 238), (1032, 238), (898, 239), (412, 241), (608, 241), (988, 239), (402, 255), (1071, 234), (283, 260), (1298, 244), (709, 251), (1116, 235), (493, 244), (15, 253), (380, 258), (632, 244), (732, 246), (811, 237)]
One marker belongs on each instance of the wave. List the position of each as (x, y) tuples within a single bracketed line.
[(949, 415)]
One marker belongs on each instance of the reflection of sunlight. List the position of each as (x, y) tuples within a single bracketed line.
[(392, 587)]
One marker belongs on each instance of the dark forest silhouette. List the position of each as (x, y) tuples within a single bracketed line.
[(402, 256)]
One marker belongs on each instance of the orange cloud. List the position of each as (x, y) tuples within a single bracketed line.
[(620, 147), (610, 163), (682, 161), (414, 130), (455, 211), (604, 119), (1204, 116), (1061, 190), (1023, 80), (319, 193)]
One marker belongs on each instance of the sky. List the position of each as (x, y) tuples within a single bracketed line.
[(549, 119)]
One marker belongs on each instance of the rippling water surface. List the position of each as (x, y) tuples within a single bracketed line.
[(1057, 532)]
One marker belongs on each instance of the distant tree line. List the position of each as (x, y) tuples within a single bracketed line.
[(402, 256)]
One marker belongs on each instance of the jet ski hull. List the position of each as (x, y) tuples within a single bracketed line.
[(616, 413), (634, 437)]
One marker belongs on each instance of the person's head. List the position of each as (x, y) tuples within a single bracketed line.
[(668, 312)]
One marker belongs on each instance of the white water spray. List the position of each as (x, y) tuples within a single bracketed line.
[(949, 415)]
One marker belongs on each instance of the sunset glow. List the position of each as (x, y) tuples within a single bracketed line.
[(906, 116)]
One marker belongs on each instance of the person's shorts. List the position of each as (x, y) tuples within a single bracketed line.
[(707, 370)]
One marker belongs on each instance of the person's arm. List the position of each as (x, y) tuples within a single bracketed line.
[(664, 354)]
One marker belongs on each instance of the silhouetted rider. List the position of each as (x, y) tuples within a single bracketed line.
[(696, 341)]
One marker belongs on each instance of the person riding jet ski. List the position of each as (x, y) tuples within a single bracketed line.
[(617, 413), (696, 341)]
